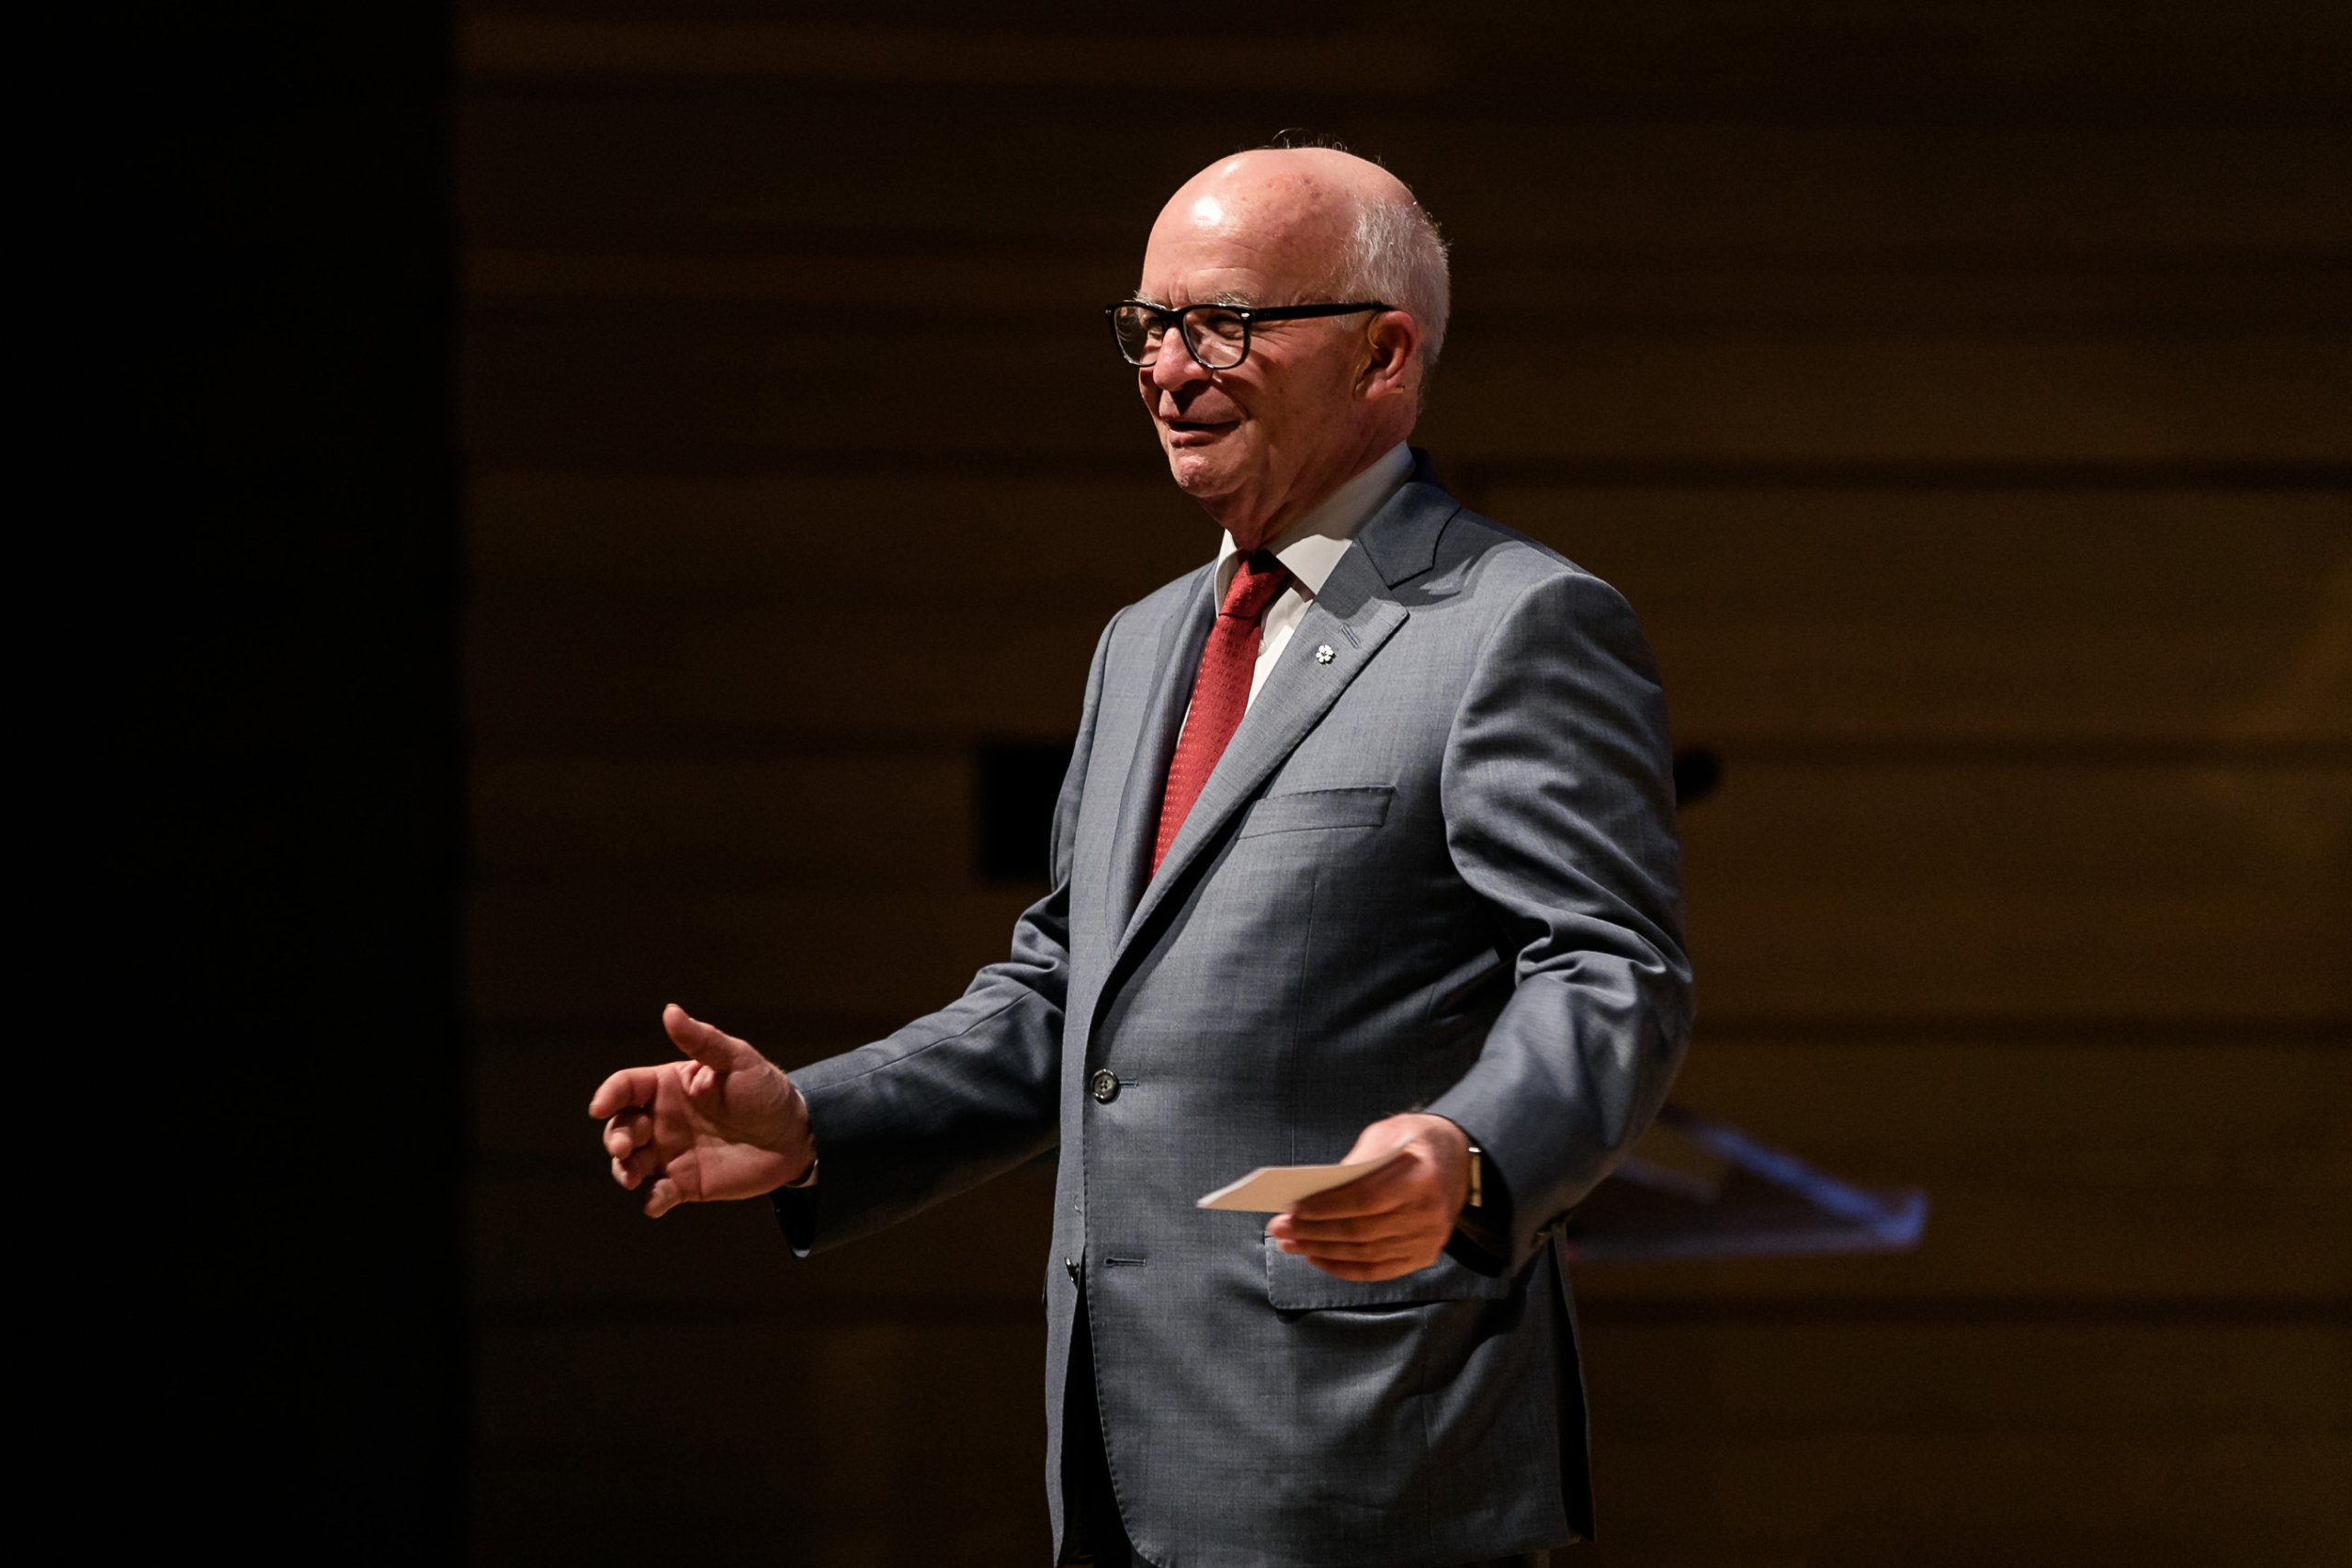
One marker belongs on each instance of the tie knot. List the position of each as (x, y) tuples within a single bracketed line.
[(1254, 586)]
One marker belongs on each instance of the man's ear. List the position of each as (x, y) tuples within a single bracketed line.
[(1391, 357)]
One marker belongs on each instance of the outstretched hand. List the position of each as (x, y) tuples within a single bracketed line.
[(1391, 1221), (726, 1123)]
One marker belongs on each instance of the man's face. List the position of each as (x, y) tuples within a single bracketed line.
[(1278, 418)]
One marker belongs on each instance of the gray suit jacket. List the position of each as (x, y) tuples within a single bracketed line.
[(1439, 869)]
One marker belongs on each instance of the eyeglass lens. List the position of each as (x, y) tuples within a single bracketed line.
[(1217, 338)]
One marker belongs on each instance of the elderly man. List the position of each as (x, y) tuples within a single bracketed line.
[(1367, 842)]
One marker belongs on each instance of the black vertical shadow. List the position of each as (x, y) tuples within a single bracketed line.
[(1018, 783), (323, 1062)]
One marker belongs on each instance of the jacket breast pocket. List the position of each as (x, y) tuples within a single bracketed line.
[(1293, 1284), (1361, 806)]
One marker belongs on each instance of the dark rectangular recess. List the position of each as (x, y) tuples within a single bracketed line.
[(1017, 783)]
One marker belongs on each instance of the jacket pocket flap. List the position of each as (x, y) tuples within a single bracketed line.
[(1359, 807), (1293, 1284)]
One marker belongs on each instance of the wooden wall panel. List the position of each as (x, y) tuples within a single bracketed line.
[(1992, 890), (951, 1406), (1817, 613), (592, 954), (1880, 892), (2088, 617), (950, 541), (744, 384), (736, 163), (1959, 396), (2117, 1242), (2154, 1103), (1759, 55), (891, 819), (2160, 1102), (1851, 1442), (539, 1249), (850, 1443), (2055, 1500), (1583, 287), (1830, 1378), (594, 671), (2142, 1175)]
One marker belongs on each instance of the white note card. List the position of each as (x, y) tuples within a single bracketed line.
[(1274, 1189)]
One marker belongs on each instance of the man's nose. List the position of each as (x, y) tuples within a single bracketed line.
[(1174, 366)]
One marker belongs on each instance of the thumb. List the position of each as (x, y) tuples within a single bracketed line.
[(1380, 1137), (714, 1048)]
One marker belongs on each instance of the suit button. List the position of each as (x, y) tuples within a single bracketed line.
[(1069, 1267), (1106, 1085)]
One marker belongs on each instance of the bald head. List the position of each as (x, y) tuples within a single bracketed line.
[(1329, 224), (1316, 400)]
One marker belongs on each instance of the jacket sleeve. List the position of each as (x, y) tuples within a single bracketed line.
[(1557, 788), (960, 1096)]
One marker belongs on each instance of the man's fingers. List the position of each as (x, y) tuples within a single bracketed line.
[(630, 1085), (1365, 1272), (1393, 1186), (712, 1047), (1368, 1227), (664, 1196), (629, 1130), (1385, 1249), (646, 1162)]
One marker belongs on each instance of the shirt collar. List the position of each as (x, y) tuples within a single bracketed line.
[(1311, 548)]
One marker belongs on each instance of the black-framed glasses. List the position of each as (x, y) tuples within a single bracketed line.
[(1217, 337)]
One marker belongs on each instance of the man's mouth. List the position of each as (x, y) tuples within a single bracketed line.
[(1193, 432)]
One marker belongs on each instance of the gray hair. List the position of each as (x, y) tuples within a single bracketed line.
[(1397, 254)]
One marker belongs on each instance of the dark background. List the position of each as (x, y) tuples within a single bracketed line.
[(692, 436)]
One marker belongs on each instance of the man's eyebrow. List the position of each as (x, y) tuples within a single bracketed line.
[(1228, 297)]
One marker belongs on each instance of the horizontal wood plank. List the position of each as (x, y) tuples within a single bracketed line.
[(1792, 1382), (2086, 615), (553, 676), (1991, 892), (2026, 891), (574, 1241), (848, 1445), (1765, 1446), (2058, 615), (880, 819), (941, 541), (621, 164), (2249, 1501), (578, 386), (2231, 1112), (1585, 289), (1756, 54), (566, 1240), (596, 953), (2127, 1175)]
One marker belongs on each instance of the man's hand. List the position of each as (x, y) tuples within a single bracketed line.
[(1393, 1221), (726, 1123)]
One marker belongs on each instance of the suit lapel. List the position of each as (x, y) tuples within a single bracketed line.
[(1354, 615), (1171, 689), (1347, 618)]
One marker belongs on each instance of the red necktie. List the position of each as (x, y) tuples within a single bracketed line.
[(1220, 691)]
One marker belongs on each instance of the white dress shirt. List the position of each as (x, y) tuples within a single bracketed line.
[(1311, 548)]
